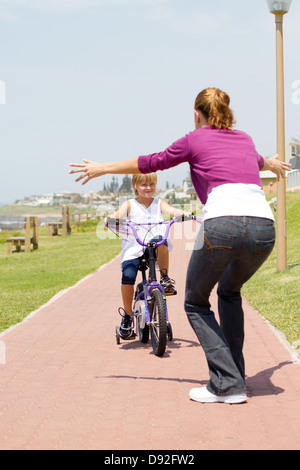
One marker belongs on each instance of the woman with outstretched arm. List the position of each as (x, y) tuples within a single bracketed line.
[(239, 232)]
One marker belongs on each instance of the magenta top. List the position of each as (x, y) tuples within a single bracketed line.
[(216, 156)]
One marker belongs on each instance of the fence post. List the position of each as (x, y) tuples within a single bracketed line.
[(64, 223), (27, 234)]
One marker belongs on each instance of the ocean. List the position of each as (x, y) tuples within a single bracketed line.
[(16, 222)]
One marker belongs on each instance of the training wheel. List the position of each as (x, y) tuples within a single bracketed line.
[(169, 332), (118, 335)]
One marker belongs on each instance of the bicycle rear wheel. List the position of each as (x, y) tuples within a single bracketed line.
[(158, 323)]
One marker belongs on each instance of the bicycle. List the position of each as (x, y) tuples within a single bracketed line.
[(150, 312)]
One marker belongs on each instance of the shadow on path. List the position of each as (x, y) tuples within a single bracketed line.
[(258, 385)]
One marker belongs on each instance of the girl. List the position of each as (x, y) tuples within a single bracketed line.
[(144, 208)]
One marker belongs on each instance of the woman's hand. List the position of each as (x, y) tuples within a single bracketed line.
[(89, 169), (277, 166), (93, 169)]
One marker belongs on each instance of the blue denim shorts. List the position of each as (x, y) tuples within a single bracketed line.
[(130, 267)]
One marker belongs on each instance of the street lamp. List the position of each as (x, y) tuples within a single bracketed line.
[(279, 9)]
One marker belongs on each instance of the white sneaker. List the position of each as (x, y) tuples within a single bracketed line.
[(204, 396)]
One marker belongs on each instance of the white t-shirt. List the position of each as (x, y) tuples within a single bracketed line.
[(237, 199), (140, 214)]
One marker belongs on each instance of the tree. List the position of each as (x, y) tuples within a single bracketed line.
[(114, 185), (126, 184)]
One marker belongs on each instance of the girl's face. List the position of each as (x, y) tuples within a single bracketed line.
[(146, 190)]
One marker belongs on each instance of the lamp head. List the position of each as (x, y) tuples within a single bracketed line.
[(279, 7)]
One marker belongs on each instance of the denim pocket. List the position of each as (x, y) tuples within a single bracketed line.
[(217, 246), (263, 247)]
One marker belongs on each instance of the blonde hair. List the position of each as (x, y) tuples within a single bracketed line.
[(148, 178), (214, 105)]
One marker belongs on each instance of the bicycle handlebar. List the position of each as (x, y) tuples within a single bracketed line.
[(178, 218), (110, 222), (184, 218)]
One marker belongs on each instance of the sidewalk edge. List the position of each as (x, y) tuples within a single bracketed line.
[(55, 297), (295, 355)]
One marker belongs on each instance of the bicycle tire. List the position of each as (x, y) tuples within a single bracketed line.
[(117, 335), (158, 323)]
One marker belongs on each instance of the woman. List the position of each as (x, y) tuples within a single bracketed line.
[(238, 232)]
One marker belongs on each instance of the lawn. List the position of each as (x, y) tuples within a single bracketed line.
[(28, 280), (276, 295)]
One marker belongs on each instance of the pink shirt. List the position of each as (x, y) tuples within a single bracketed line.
[(216, 157)]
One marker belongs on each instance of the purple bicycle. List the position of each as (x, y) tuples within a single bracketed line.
[(150, 313)]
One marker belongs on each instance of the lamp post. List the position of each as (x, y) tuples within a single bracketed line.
[(279, 9)]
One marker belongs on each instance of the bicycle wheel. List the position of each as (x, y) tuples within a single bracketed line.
[(141, 328), (118, 335), (158, 323), (143, 333)]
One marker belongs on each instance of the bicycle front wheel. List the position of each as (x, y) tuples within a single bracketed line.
[(158, 323)]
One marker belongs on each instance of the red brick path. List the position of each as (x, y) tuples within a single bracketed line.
[(66, 384)]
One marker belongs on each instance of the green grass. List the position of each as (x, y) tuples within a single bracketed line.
[(276, 295), (16, 209), (28, 280)]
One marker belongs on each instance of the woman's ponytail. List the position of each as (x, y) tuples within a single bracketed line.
[(214, 105)]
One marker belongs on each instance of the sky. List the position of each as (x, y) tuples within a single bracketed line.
[(109, 80)]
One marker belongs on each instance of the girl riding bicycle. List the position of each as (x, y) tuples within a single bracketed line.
[(143, 208)]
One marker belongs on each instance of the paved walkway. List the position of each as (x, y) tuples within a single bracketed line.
[(66, 384)]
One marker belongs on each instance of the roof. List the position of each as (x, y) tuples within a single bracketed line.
[(267, 174)]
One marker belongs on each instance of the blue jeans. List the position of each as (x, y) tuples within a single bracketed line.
[(233, 250)]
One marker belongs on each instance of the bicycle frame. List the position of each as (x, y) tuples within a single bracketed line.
[(149, 307), (146, 295), (148, 285)]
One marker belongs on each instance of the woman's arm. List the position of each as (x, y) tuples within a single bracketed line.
[(175, 154), (277, 166), (93, 169)]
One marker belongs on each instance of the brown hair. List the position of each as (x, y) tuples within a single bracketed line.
[(148, 178), (214, 105)]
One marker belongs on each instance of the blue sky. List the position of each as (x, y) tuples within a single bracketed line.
[(112, 79)]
